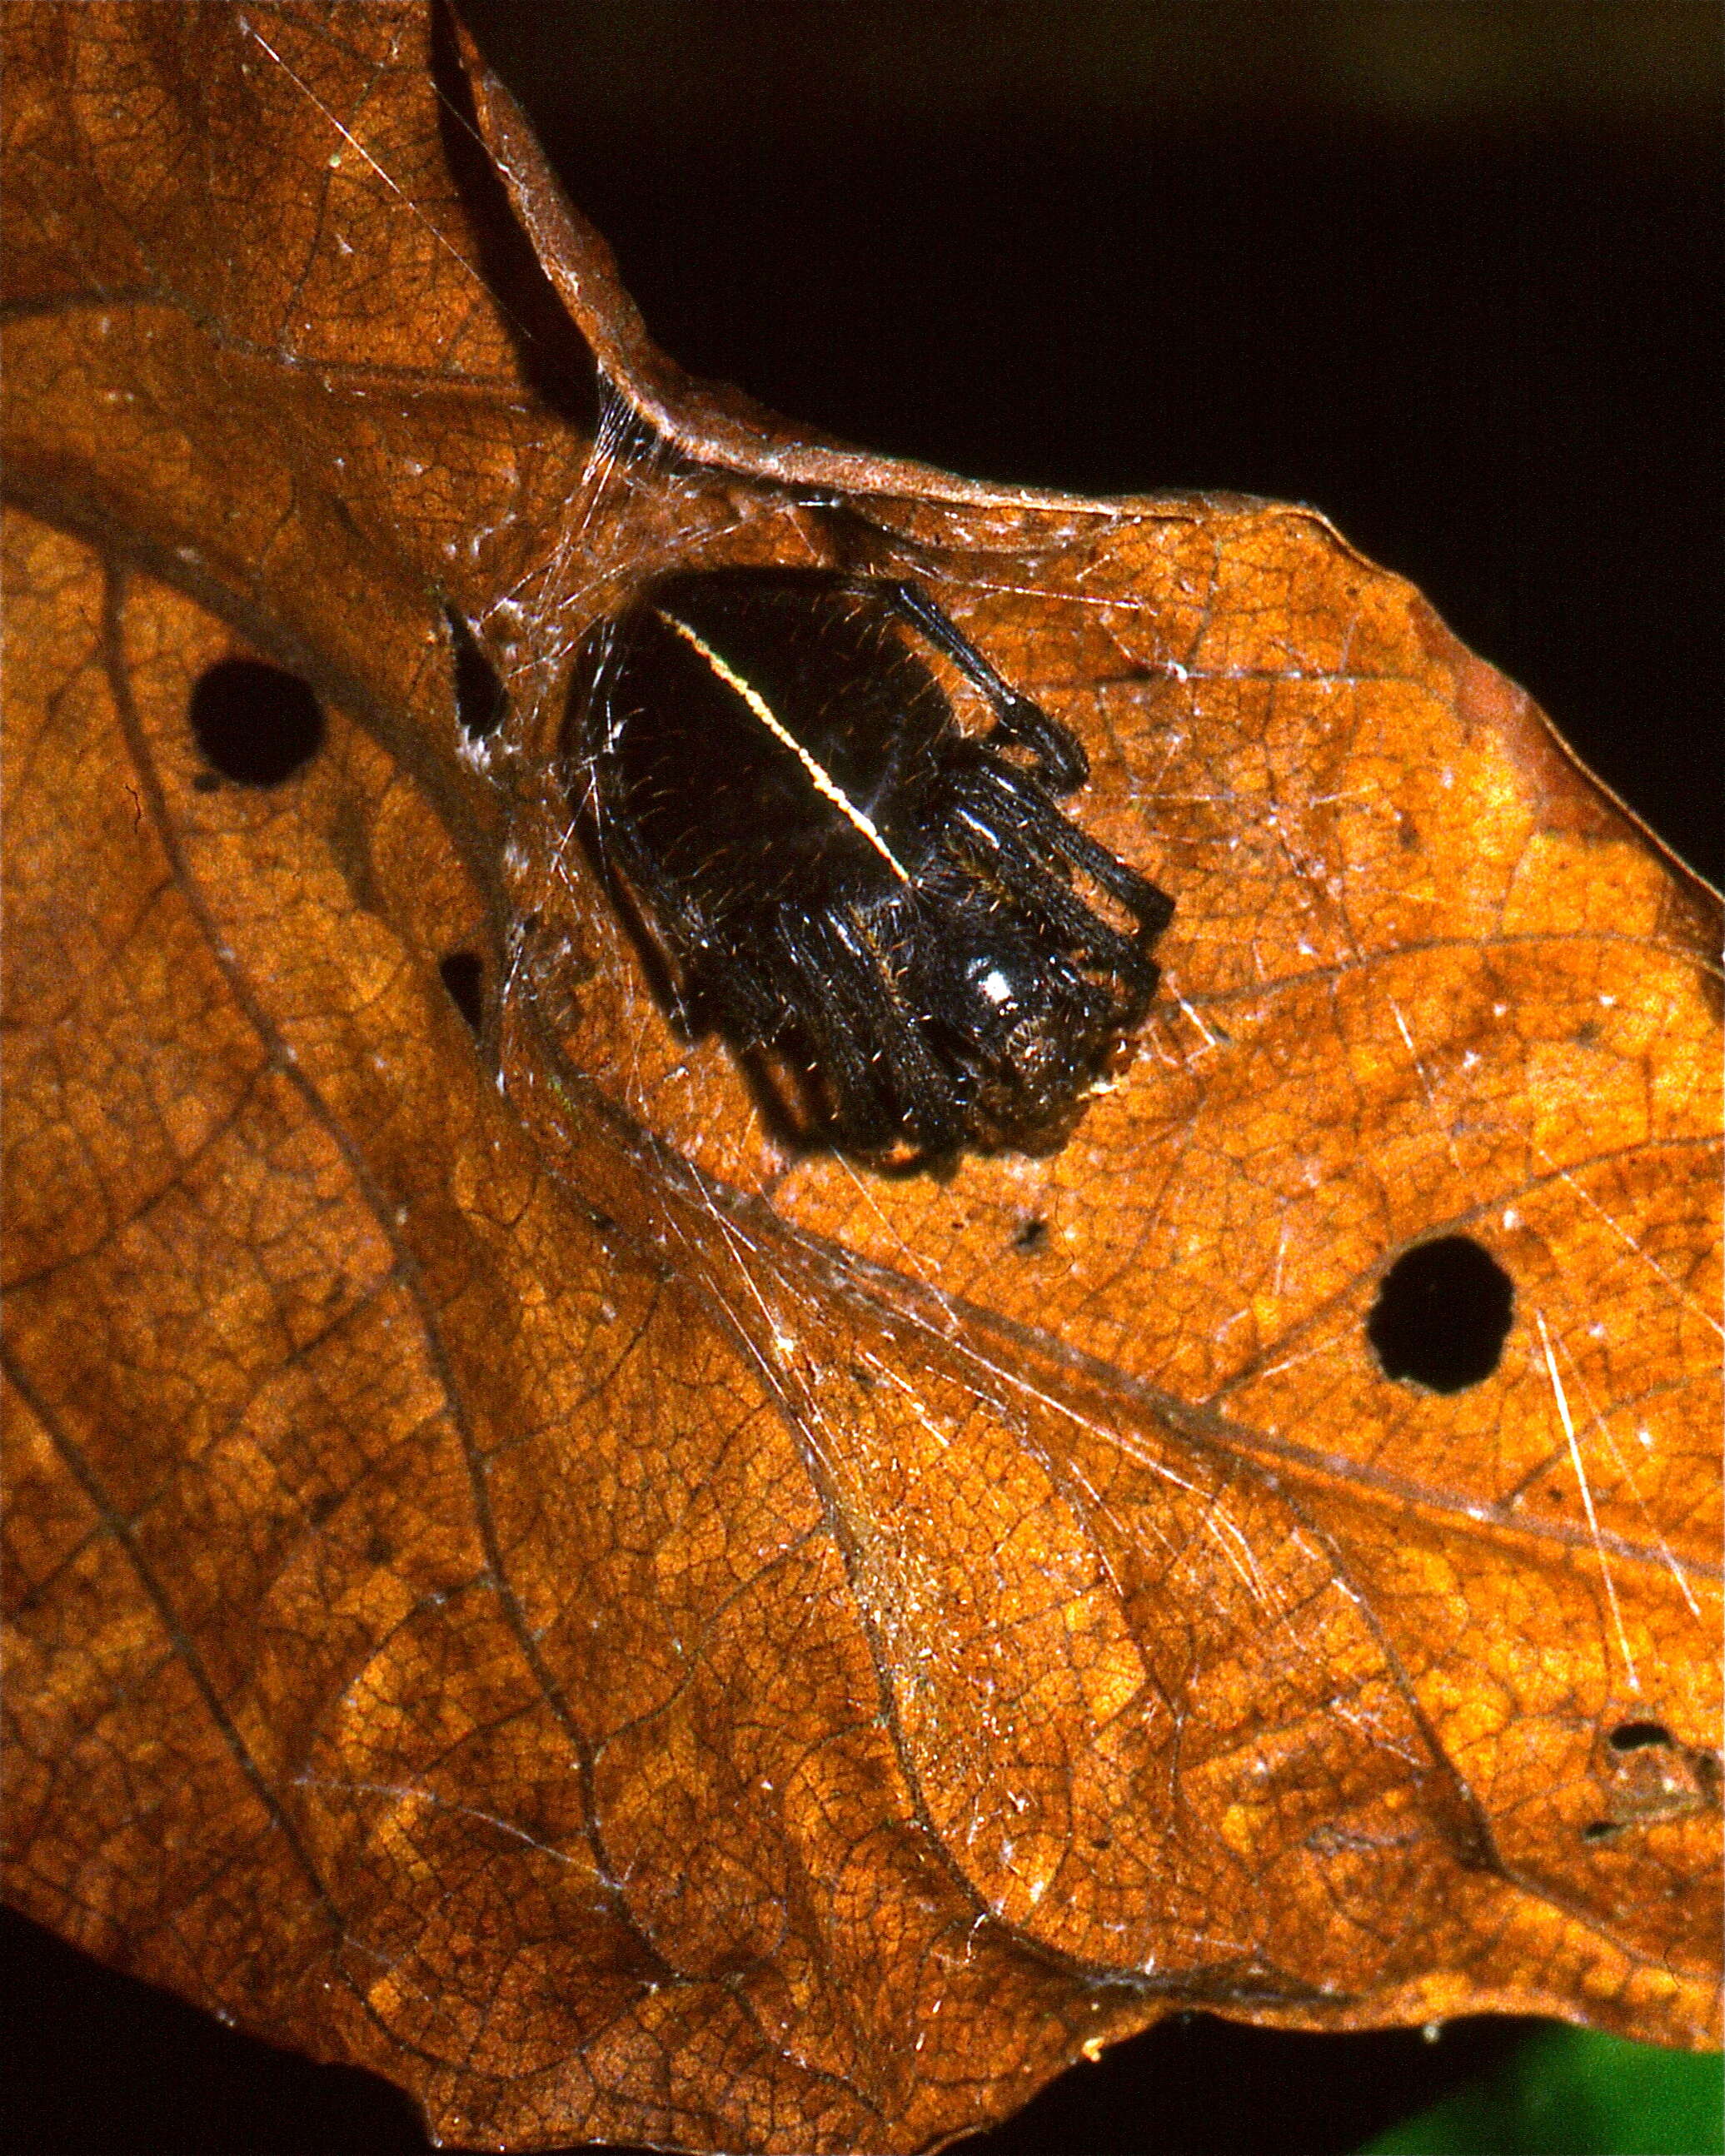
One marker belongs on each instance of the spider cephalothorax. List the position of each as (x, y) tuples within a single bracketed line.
[(846, 879)]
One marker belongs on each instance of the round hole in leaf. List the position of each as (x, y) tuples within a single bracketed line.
[(255, 723), (1602, 1831), (1030, 1236), (1442, 1315), (463, 975), (1639, 1736), (480, 698)]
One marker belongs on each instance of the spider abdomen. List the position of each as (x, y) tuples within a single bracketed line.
[(845, 877)]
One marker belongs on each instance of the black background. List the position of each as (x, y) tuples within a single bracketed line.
[(1449, 272)]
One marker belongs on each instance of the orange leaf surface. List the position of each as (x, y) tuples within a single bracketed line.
[(523, 1579)]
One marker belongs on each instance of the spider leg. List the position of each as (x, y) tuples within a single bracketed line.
[(882, 1074), (1061, 764), (925, 1098), (756, 1005), (1060, 761), (1026, 876), (1150, 908), (858, 1108), (998, 783), (1075, 928)]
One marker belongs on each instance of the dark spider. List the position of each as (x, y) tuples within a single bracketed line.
[(842, 875)]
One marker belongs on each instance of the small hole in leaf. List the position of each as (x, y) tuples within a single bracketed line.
[(1442, 1315), (1030, 1236), (480, 698), (463, 975), (255, 724), (1602, 1831), (1638, 1736)]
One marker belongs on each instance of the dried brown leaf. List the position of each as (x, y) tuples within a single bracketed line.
[(521, 1581)]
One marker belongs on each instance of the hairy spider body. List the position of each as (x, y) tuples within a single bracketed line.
[(846, 878)]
